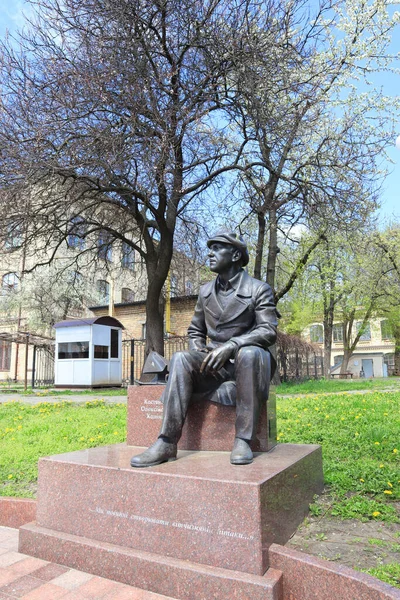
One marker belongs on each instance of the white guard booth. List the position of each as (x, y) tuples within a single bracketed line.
[(88, 353)]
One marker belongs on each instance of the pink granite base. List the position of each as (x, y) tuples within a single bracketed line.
[(171, 577), (208, 425), (308, 578), (15, 512), (199, 508)]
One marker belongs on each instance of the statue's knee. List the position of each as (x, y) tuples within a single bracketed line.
[(248, 354), (180, 357)]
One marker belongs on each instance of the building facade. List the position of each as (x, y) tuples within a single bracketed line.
[(373, 355)]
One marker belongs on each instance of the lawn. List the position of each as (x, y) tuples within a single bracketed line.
[(28, 432), (332, 386), (359, 434)]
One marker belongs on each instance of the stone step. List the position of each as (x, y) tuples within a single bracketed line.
[(170, 577)]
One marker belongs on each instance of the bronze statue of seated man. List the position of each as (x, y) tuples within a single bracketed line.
[(233, 327)]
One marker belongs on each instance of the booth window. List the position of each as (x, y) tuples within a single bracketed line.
[(114, 343), (5, 355), (101, 352), (73, 350)]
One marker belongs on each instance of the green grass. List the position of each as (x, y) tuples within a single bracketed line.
[(390, 573), (30, 432), (51, 392), (333, 386), (359, 434)]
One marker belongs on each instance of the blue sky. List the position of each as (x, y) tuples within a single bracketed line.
[(11, 17)]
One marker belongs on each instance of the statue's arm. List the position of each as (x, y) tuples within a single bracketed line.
[(263, 332), (197, 330)]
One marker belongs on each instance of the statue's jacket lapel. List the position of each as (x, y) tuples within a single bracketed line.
[(238, 314)]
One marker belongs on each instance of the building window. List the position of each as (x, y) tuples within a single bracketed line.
[(144, 331), (103, 290), (114, 343), (366, 334), (77, 232), (188, 288), (388, 360), (337, 360), (317, 334), (337, 332), (14, 236), (127, 295), (68, 350), (5, 355), (104, 245), (128, 257), (10, 282), (174, 286), (386, 330)]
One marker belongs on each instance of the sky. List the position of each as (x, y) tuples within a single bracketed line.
[(12, 17)]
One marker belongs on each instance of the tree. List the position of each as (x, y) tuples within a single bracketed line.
[(48, 295), (314, 137), (388, 241), (107, 117)]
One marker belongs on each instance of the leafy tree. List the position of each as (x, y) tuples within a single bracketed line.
[(107, 116), (314, 137)]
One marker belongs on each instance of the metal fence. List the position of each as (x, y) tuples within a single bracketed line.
[(43, 366), (296, 359), (294, 365), (171, 345)]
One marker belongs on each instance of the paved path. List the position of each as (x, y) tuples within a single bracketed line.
[(29, 578), (35, 399)]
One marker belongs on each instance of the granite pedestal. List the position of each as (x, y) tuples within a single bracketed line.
[(198, 521), (208, 425)]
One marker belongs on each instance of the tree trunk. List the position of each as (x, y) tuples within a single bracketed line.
[(347, 346), (260, 245), (273, 249), (328, 327), (157, 272), (396, 333)]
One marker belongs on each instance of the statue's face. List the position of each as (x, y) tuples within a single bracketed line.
[(222, 256)]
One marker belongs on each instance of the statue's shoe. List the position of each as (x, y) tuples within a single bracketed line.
[(158, 453), (241, 453)]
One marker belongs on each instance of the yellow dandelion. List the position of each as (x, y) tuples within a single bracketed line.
[(377, 443), (381, 466), (395, 451), (389, 484), (10, 476), (376, 513), (361, 479), (387, 492)]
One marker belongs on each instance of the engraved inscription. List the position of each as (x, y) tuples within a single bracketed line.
[(187, 526), (152, 408)]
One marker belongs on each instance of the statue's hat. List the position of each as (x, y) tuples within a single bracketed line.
[(234, 239)]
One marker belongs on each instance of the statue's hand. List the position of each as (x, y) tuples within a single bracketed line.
[(215, 360)]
